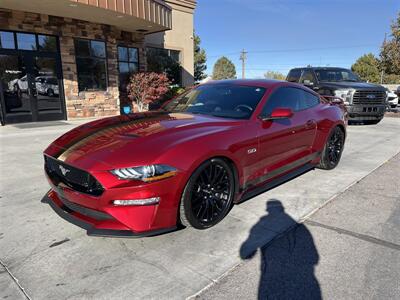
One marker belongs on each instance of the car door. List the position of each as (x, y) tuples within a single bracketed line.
[(285, 142), (306, 112)]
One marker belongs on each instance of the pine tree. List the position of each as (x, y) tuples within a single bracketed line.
[(200, 59), (224, 69)]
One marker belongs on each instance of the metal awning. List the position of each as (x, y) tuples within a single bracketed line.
[(131, 15)]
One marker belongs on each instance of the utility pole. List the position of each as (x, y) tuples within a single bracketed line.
[(243, 57)]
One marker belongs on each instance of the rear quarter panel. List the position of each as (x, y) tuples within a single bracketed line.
[(328, 116)]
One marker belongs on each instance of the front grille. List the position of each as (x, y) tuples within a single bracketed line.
[(369, 97), (74, 178)]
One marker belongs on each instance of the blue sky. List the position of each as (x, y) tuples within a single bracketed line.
[(281, 34)]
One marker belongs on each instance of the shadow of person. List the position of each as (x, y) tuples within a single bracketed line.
[(287, 263)]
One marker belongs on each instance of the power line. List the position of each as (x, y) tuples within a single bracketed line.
[(226, 54), (311, 62), (294, 50), (310, 49)]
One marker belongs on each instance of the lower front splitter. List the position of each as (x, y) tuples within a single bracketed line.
[(92, 231)]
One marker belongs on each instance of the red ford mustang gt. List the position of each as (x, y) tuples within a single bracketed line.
[(187, 163)]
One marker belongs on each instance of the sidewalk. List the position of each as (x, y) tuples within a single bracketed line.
[(349, 249)]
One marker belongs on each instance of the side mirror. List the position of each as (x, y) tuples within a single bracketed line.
[(279, 113)]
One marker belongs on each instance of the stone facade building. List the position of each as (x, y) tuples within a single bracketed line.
[(65, 59)]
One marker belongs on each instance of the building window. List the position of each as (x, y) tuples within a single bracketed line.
[(47, 43), (7, 40), (165, 61), (128, 60), (28, 41), (91, 65), (128, 63)]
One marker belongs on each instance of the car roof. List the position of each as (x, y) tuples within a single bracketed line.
[(267, 83), (319, 68)]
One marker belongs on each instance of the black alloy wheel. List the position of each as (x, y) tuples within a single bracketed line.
[(333, 150), (208, 195)]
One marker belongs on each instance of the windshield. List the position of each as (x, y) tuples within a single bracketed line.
[(334, 75), (220, 100)]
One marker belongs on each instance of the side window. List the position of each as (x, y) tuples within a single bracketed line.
[(307, 77), (309, 100), (283, 97), (294, 75)]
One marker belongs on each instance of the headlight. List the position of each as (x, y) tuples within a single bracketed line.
[(345, 95), (145, 173)]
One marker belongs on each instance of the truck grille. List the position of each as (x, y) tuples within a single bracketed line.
[(369, 97), (74, 178)]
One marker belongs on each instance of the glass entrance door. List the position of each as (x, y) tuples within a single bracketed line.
[(30, 80), (16, 102), (46, 88)]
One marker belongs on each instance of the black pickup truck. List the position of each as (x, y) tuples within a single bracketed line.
[(365, 102)]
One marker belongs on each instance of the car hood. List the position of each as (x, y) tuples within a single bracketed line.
[(353, 85), (136, 139)]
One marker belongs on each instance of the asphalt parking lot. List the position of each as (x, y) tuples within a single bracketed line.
[(50, 258)]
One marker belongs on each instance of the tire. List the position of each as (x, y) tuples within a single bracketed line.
[(332, 150), (208, 195)]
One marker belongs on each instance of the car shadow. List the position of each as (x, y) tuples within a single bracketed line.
[(288, 261)]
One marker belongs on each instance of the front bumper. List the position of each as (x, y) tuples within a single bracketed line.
[(65, 210), (100, 217), (365, 112)]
